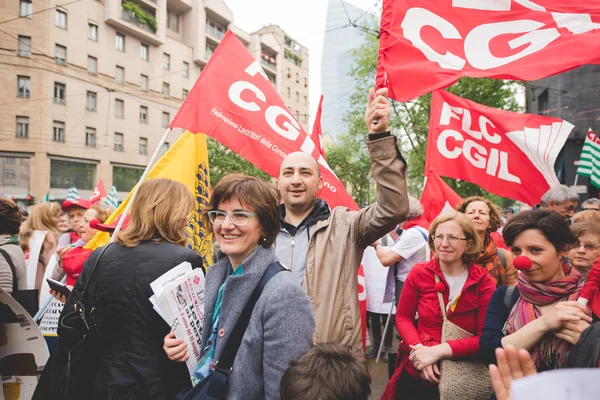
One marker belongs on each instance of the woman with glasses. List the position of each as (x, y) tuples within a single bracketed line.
[(466, 289), (243, 213), (585, 253), (541, 313), (486, 220)]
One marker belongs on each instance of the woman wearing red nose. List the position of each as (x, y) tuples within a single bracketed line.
[(466, 289), (541, 313)]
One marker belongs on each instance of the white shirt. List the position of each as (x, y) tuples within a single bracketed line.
[(455, 283), (412, 247)]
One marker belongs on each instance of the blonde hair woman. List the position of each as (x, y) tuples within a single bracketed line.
[(131, 362), (43, 217)]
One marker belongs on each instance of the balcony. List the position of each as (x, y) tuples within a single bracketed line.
[(136, 18), (130, 17), (269, 65)]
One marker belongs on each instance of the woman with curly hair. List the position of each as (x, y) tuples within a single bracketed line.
[(486, 219), (44, 217)]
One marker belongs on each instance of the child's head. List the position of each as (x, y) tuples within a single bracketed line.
[(327, 372)]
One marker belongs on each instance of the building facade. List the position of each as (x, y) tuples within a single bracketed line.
[(571, 96), (88, 90)]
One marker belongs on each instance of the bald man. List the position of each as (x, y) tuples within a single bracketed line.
[(324, 248)]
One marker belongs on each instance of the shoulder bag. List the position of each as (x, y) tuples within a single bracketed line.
[(27, 298), (463, 379), (214, 386)]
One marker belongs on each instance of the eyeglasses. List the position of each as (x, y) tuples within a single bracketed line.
[(238, 218), (587, 246), (450, 239)]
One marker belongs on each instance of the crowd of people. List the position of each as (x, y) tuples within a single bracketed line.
[(473, 287)]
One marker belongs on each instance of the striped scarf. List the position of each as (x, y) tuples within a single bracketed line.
[(550, 352)]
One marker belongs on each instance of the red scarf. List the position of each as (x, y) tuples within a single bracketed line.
[(550, 352)]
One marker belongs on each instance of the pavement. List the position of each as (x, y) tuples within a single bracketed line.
[(379, 372)]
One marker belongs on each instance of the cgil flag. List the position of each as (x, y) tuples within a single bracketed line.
[(99, 193), (186, 162), (73, 194), (438, 198), (317, 134), (589, 162)]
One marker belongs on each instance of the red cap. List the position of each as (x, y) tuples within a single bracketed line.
[(83, 203), (95, 224)]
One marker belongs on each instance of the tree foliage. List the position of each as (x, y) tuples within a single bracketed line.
[(223, 161), (409, 121)]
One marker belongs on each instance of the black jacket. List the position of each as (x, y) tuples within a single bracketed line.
[(132, 363)]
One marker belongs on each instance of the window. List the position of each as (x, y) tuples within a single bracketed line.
[(143, 146), (118, 142), (144, 83), (289, 93), (90, 101), (125, 178), (66, 174), (144, 52), (9, 161), (60, 19), (24, 46), (297, 78), (120, 42), (92, 31), (92, 65), (186, 70), (209, 51), (166, 61), (297, 97), (26, 9), (184, 94), (143, 114), (215, 30), (22, 127), (58, 131), (172, 21), (165, 147), (543, 102), (297, 115), (289, 72), (24, 86), (119, 108), (9, 173), (120, 75), (90, 137), (305, 82), (305, 101), (166, 89), (165, 120), (60, 54), (60, 89)]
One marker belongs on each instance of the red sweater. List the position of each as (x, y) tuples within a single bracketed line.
[(72, 263), (419, 295)]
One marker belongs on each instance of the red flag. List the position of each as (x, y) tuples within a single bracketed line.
[(234, 102), (437, 196), (426, 46), (317, 135), (362, 303), (99, 193), (509, 154)]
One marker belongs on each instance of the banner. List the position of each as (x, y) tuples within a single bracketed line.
[(317, 134), (426, 46), (438, 197), (509, 154), (99, 193), (375, 282), (234, 102), (589, 162), (185, 162)]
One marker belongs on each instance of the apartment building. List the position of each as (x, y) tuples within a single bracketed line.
[(89, 89)]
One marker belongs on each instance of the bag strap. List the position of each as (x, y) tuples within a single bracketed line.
[(440, 297), (508, 295), (94, 267), (12, 268), (502, 257), (235, 339)]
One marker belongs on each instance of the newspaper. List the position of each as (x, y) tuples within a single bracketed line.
[(179, 299)]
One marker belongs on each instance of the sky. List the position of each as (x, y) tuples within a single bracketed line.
[(303, 20)]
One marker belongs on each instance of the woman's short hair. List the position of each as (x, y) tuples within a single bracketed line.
[(251, 192), (550, 224), (474, 244), (583, 228), (495, 218), (587, 215), (158, 212), (10, 217), (101, 214)]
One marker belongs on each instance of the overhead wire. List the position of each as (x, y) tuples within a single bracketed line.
[(39, 12)]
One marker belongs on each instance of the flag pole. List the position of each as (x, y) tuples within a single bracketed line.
[(137, 187), (576, 177)]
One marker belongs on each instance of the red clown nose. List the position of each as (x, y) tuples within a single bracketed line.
[(439, 287), (522, 263)]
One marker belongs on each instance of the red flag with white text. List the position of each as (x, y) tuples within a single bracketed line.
[(507, 153), (426, 46), (234, 102), (317, 135), (438, 197), (99, 193)]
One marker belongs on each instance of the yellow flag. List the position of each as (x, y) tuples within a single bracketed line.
[(185, 162)]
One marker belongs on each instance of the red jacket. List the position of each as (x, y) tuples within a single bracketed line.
[(419, 295), (72, 263)]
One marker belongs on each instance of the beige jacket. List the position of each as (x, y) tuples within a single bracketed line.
[(337, 244)]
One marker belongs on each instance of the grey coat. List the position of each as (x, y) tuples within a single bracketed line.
[(280, 328)]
